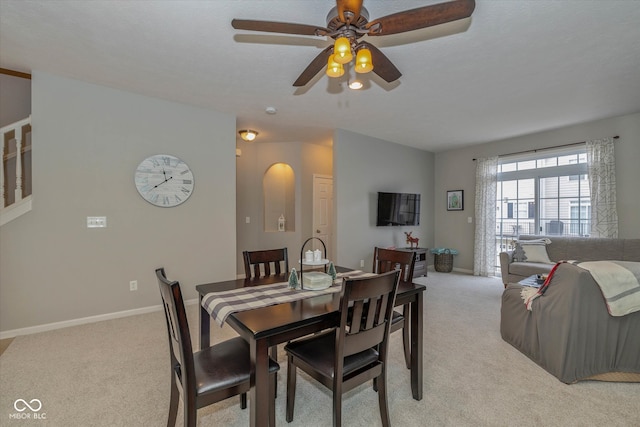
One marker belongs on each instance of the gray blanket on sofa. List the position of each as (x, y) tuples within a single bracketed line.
[(619, 282), (569, 331)]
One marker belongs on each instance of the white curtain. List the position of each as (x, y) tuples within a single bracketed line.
[(484, 249), (601, 165)]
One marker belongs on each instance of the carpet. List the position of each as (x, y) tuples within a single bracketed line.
[(116, 373)]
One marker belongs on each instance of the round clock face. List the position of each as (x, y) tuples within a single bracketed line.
[(164, 180)]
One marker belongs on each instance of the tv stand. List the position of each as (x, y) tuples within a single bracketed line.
[(420, 267)]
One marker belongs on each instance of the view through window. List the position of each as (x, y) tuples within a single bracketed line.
[(544, 193)]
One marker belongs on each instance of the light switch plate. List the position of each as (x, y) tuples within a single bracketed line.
[(96, 222)]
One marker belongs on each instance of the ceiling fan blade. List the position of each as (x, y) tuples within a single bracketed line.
[(353, 6), (421, 17), (278, 27), (382, 66), (318, 63)]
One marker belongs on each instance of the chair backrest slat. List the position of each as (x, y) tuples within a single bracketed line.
[(389, 259), (371, 300), (265, 262)]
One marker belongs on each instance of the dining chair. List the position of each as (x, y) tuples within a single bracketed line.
[(389, 259), (209, 375), (265, 262), (355, 351)]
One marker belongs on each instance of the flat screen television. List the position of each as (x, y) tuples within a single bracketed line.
[(398, 209)]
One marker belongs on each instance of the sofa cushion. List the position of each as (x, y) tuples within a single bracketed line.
[(536, 253), (531, 250), (518, 253)]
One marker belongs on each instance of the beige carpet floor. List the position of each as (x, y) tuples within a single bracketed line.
[(116, 373)]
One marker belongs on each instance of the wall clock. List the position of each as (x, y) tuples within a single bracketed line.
[(164, 180)]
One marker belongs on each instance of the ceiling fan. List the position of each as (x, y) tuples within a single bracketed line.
[(348, 22)]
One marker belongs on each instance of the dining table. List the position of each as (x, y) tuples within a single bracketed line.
[(264, 327)]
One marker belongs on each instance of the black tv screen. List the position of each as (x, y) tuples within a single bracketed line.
[(398, 209)]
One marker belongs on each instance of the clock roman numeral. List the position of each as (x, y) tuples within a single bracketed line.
[(185, 190)]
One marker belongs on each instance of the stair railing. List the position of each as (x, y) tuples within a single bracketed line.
[(12, 207)]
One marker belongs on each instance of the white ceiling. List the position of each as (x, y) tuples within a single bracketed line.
[(515, 67)]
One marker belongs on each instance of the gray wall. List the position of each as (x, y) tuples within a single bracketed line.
[(455, 170), (256, 158), (87, 143), (15, 102), (362, 167), (52, 268)]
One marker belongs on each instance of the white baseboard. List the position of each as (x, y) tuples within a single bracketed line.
[(84, 320)]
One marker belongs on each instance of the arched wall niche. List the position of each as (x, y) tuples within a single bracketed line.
[(279, 186)]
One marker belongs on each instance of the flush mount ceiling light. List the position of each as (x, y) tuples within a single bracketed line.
[(248, 134), (348, 22)]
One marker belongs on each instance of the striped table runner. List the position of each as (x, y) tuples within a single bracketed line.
[(221, 304)]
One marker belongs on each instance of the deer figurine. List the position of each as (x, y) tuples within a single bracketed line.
[(411, 240)]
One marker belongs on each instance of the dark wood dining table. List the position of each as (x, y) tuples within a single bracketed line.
[(267, 326)]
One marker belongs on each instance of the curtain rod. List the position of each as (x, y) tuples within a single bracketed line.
[(546, 148)]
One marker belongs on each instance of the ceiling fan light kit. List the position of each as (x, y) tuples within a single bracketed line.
[(334, 69), (348, 22), (355, 85), (363, 61), (342, 51), (248, 134)]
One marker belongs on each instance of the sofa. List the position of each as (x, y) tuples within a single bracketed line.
[(567, 248), (568, 330)]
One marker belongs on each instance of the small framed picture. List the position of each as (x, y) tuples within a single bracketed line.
[(455, 200)]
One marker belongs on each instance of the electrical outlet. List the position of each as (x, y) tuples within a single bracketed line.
[(133, 285), (361, 263)]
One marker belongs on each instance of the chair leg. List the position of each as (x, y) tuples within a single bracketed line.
[(406, 336), (382, 399), (291, 388), (337, 404), (173, 402), (274, 356), (190, 414), (272, 399), (243, 401)]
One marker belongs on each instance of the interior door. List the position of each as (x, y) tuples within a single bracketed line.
[(323, 210)]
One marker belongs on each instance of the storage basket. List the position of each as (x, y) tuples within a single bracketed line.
[(443, 262)]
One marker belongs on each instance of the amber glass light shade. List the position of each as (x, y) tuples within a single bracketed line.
[(334, 69), (363, 61), (342, 50)]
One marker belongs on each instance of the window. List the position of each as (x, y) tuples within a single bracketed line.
[(543, 193)]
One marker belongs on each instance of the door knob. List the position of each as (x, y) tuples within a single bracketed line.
[(317, 231)]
